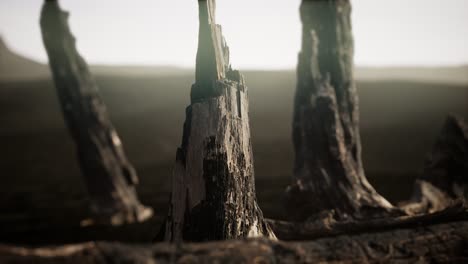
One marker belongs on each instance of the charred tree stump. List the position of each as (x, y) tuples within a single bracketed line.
[(328, 171), (213, 190), (445, 175), (444, 243), (109, 176), (439, 196)]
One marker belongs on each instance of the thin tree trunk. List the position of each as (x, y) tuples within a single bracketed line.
[(445, 243), (109, 176), (328, 171), (213, 191)]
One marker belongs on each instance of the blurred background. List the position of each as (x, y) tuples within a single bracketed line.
[(411, 71)]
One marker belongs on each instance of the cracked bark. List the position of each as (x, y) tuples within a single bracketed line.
[(328, 170), (109, 176), (330, 194), (213, 190), (443, 243)]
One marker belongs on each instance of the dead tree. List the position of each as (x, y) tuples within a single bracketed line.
[(330, 194), (213, 191), (109, 176), (328, 170), (439, 196)]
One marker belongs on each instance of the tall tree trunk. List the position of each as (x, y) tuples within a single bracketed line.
[(328, 171), (213, 191), (109, 176)]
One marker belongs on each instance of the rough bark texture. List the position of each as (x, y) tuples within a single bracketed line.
[(445, 175), (446, 243), (439, 196), (109, 176), (213, 192), (328, 172)]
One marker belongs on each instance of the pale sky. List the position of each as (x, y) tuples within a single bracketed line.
[(262, 34)]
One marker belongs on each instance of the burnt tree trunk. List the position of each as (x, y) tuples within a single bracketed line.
[(213, 190), (445, 175), (328, 170), (330, 194), (439, 196), (109, 176)]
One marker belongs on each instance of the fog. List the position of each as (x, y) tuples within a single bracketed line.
[(262, 34)]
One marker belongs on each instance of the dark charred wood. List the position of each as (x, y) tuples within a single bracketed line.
[(445, 243), (328, 170), (213, 191), (445, 175), (440, 195), (109, 176)]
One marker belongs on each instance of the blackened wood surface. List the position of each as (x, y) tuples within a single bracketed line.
[(109, 176), (328, 171), (213, 188)]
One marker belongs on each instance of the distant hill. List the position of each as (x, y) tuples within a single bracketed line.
[(17, 67), (448, 75), (136, 70), (14, 67)]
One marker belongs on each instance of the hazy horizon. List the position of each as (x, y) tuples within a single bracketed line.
[(395, 33)]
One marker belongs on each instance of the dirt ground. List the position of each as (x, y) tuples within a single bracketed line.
[(42, 197)]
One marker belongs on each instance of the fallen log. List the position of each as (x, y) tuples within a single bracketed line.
[(327, 226), (443, 243)]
